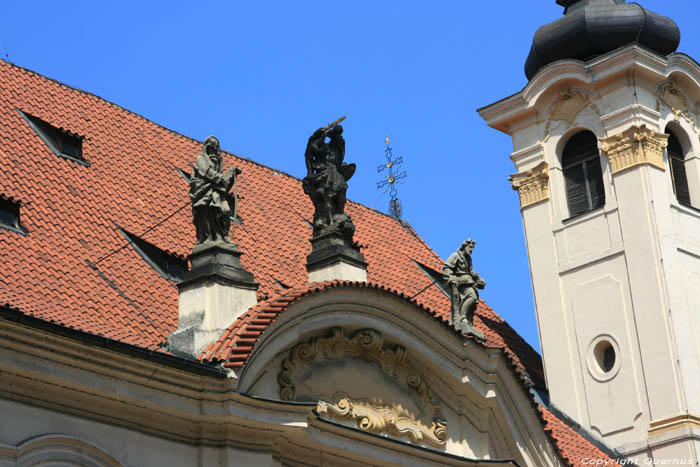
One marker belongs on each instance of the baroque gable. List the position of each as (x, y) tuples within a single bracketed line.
[(359, 379)]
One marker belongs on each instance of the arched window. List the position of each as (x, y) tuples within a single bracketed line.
[(676, 160), (583, 174)]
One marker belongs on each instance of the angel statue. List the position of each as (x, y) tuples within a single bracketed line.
[(326, 180)]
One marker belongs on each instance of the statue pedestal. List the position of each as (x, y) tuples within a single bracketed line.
[(334, 258), (215, 292)]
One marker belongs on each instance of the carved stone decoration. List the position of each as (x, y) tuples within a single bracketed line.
[(417, 416), (567, 108), (635, 146), (532, 185), (384, 419), (672, 98)]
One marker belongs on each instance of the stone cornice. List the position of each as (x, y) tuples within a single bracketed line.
[(638, 145), (532, 185), (98, 384), (501, 114)]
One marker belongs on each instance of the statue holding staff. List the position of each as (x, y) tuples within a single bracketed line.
[(464, 284)]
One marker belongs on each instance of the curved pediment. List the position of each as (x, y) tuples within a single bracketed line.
[(371, 360), (357, 379)]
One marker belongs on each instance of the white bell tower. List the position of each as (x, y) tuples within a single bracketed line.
[(607, 156)]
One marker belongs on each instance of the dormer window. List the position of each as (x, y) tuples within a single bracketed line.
[(170, 266), (61, 142), (9, 215), (435, 277), (183, 174), (583, 174)]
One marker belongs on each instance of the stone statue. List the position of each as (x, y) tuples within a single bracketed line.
[(463, 283), (209, 193), (326, 180)]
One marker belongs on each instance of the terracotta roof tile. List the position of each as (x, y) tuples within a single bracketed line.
[(573, 448)]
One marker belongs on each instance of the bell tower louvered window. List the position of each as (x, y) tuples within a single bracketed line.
[(583, 175), (676, 161)]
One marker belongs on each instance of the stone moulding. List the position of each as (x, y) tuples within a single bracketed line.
[(532, 185), (638, 145), (368, 345)]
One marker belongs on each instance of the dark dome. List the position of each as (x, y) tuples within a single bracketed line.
[(591, 28)]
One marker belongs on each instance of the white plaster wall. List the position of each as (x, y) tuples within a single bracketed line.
[(599, 306)]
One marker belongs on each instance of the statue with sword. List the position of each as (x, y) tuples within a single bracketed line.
[(326, 180)]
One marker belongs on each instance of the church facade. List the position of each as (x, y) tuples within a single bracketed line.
[(322, 332)]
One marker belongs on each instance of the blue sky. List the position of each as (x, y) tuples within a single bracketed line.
[(262, 76)]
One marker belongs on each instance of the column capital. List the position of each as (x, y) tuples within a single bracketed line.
[(637, 145), (532, 185)]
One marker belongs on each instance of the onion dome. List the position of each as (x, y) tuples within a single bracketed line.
[(591, 28)]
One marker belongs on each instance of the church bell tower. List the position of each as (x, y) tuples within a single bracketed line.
[(606, 148)]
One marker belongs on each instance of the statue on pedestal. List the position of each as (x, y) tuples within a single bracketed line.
[(326, 180), (209, 193), (464, 284)]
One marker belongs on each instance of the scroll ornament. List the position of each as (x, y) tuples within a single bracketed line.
[(377, 419), (638, 145), (368, 345)]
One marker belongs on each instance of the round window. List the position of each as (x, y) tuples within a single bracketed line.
[(603, 359), (605, 356)]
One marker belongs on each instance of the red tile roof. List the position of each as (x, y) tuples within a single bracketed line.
[(573, 448), (236, 344), (72, 215)]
